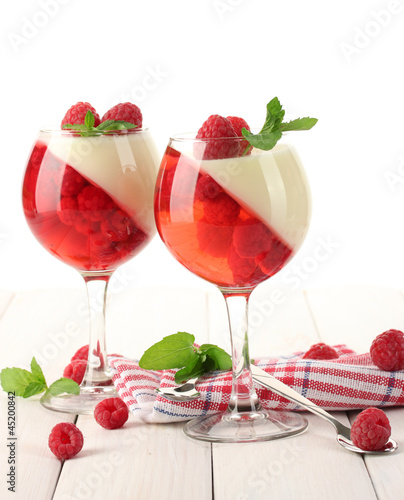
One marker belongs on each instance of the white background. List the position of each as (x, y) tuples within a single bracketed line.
[(183, 60)]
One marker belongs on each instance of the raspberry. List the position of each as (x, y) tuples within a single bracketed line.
[(117, 227), (225, 146), (272, 261), (207, 188), (85, 226), (321, 351), (214, 240), (94, 203), (371, 429), (75, 114), (241, 267), (125, 111), (65, 440), (252, 238), (81, 353), (68, 211), (75, 370), (238, 124), (72, 182), (37, 155), (387, 350), (111, 413), (221, 210)]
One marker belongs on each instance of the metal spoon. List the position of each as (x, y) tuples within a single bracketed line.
[(343, 432), (182, 393)]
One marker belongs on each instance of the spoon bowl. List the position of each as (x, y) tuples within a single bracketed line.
[(343, 432), (183, 393)]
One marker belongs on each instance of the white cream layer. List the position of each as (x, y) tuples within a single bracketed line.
[(272, 185), (124, 166)]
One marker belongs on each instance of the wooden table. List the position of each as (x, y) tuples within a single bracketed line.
[(143, 461)]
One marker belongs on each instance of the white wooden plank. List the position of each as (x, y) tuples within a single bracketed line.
[(311, 465), (139, 317), (279, 321), (387, 471), (48, 324), (114, 463), (6, 296), (37, 469), (297, 467), (31, 324), (355, 315), (139, 461)]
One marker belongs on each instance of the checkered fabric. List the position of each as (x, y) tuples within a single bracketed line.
[(347, 383)]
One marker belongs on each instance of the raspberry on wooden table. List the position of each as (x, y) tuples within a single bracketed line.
[(387, 350), (371, 429), (125, 111), (226, 145), (75, 114), (321, 351), (111, 413), (75, 370), (81, 353), (65, 440)]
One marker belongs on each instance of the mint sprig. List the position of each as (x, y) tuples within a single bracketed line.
[(178, 351), (87, 128), (274, 127), (27, 383)]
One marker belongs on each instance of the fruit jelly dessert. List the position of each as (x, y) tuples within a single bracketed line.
[(75, 219), (234, 248)]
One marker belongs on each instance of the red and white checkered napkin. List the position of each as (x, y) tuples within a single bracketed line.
[(347, 383)]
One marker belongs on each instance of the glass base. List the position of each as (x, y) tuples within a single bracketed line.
[(81, 404), (233, 427)]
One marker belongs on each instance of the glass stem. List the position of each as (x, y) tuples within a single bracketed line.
[(243, 397), (98, 372)]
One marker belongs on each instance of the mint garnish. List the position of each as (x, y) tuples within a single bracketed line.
[(274, 126), (87, 128), (178, 351), (27, 383)]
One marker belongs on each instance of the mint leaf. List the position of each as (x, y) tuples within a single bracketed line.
[(262, 140), (220, 358), (118, 125), (193, 369), (87, 128), (89, 120), (275, 115), (299, 124), (36, 370), (64, 385), (16, 380), (34, 388), (104, 125), (174, 351), (178, 351), (274, 126), (77, 126)]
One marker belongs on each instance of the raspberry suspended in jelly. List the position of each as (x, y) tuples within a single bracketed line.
[(222, 210), (85, 228)]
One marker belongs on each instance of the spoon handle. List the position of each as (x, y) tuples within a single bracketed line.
[(275, 385)]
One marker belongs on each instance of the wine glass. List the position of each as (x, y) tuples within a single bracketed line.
[(89, 201), (234, 222)]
